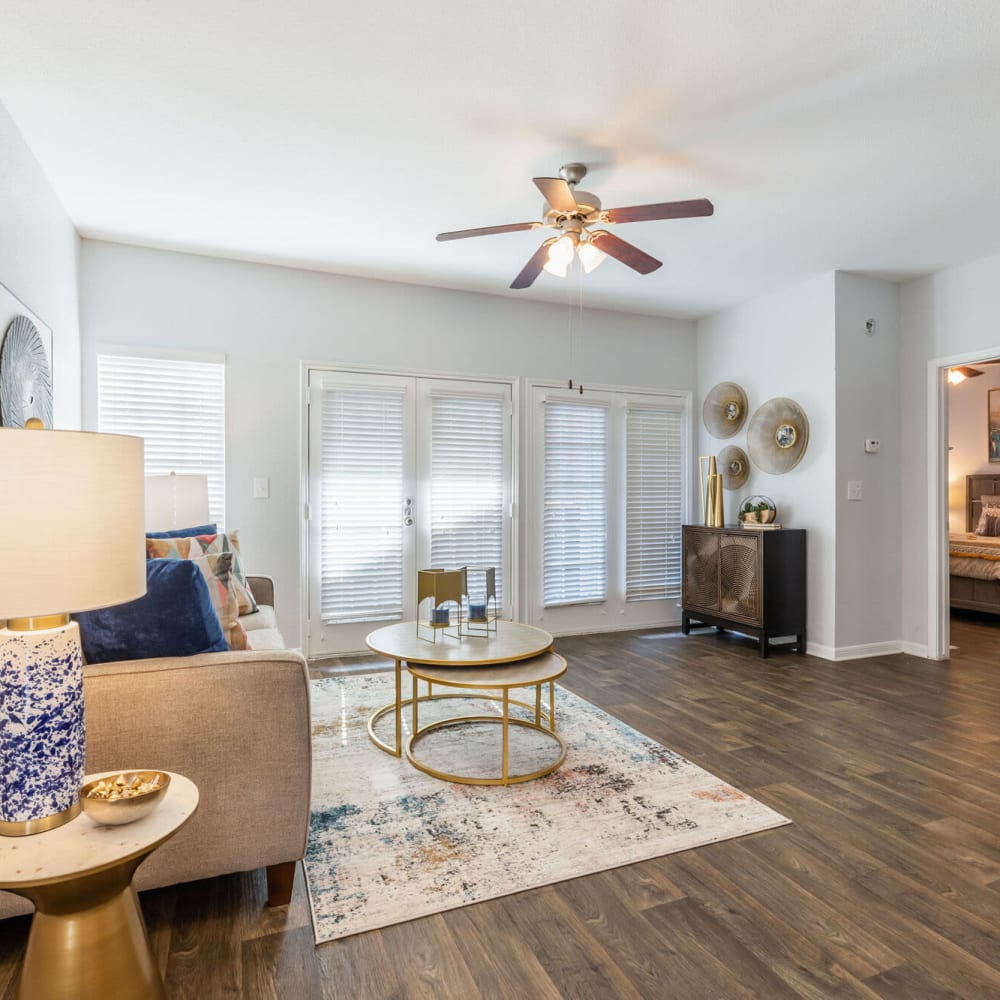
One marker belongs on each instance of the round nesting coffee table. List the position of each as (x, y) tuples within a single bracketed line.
[(534, 673), (512, 642)]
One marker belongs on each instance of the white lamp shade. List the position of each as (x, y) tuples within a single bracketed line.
[(176, 502), (71, 533)]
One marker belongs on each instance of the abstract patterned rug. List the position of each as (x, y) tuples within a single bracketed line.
[(388, 843)]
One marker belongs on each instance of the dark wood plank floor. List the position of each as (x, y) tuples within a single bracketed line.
[(886, 885)]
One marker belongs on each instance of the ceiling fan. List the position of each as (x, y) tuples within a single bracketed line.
[(571, 213), (959, 373)]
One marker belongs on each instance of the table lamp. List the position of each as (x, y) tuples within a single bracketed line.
[(71, 539), (176, 501)]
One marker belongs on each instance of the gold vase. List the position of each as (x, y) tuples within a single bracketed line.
[(708, 494), (718, 512)]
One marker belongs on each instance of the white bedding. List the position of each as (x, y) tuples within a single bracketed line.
[(976, 556)]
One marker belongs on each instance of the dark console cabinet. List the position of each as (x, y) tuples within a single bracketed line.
[(745, 580)]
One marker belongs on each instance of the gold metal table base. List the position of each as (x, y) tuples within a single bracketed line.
[(505, 778), (483, 683), (88, 939)]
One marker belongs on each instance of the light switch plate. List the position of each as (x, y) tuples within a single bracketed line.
[(853, 489), (261, 488)]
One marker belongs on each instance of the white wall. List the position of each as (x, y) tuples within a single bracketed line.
[(868, 612), (268, 319), (947, 314), (783, 345), (39, 252), (968, 444)]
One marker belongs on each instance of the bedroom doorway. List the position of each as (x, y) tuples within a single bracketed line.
[(964, 464)]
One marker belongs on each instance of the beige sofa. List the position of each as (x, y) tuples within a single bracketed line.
[(236, 724)]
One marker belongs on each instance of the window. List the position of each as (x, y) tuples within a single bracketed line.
[(468, 482), (575, 503), (606, 501), (177, 406), (361, 528), (652, 503)]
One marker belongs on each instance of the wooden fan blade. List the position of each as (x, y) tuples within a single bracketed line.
[(636, 259), (557, 193), (664, 210), (463, 234), (533, 268), (966, 370)]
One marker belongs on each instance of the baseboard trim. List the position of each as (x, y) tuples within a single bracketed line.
[(866, 650), (917, 649), (600, 630)]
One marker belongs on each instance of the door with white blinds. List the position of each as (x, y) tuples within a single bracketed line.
[(606, 504), (404, 473)]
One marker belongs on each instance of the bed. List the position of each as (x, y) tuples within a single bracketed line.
[(974, 560)]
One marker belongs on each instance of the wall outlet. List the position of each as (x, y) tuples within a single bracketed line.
[(853, 489), (872, 446), (261, 488)]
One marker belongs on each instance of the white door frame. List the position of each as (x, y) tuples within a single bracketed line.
[(938, 612), (305, 366)]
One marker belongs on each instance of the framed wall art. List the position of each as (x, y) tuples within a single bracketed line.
[(993, 424), (25, 364)]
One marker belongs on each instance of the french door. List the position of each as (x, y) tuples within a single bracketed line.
[(403, 473)]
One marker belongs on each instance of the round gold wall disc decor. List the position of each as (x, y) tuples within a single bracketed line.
[(778, 435), (734, 466), (724, 410)]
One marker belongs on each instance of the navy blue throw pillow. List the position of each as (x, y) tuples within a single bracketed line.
[(175, 618), (198, 529)]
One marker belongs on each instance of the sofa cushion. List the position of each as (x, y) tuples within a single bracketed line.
[(263, 617), (202, 545), (265, 640), (198, 529), (174, 618), (217, 569)]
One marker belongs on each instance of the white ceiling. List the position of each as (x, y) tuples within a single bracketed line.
[(343, 136)]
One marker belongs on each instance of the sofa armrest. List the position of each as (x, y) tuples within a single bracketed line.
[(237, 724), (262, 588)]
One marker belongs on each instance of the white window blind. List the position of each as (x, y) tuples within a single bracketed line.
[(177, 407), (467, 483), (575, 515), (361, 506), (652, 503)]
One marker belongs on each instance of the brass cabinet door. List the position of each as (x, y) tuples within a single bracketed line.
[(701, 570), (740, 575)]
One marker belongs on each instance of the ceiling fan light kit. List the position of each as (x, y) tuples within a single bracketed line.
[(571, 212)]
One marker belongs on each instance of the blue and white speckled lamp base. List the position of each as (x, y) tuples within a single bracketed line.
[(41, 728)]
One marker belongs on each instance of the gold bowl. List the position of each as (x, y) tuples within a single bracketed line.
[(126, 808)]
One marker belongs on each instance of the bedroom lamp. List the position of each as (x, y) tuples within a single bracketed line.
[(71, 539), (176, 501)]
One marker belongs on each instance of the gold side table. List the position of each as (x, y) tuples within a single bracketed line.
[(88, 938), (544, 669)]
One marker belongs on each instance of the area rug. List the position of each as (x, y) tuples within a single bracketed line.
[(388, 843)]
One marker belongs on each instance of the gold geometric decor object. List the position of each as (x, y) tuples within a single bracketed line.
[(778, 435), (734, 467), (724, 410)]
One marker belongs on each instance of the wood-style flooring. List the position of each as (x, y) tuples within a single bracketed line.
[(887, 884)]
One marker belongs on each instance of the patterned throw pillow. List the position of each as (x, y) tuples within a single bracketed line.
[(203, 545), (217, 570), (989, 516)]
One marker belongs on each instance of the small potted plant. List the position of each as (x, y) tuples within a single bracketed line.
[(757, 510)]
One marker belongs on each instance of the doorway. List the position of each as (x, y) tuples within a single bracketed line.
[(403, 472), (949, 464)]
